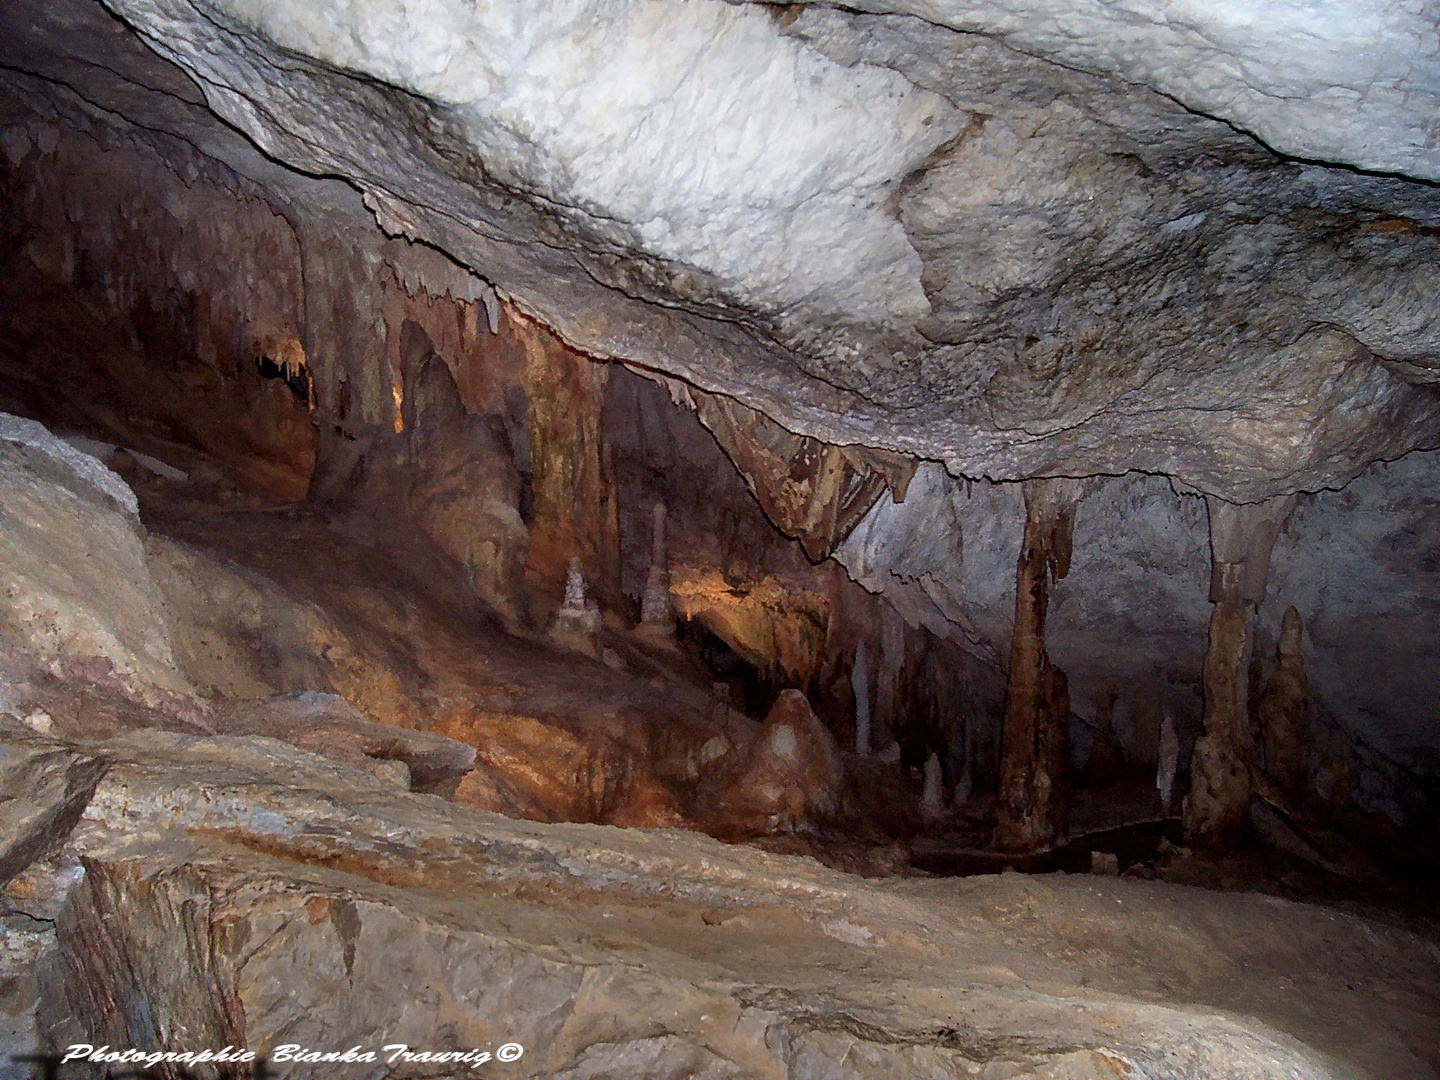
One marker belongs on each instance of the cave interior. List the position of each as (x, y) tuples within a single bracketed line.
[(719, 540)]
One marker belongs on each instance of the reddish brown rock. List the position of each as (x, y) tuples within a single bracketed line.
[(1035, 754), (575, 513), (542, 770), (465, 487), (1283, 711), (790, 774), (812, 491)]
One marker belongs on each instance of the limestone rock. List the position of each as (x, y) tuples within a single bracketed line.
[(790, 775), (240, 890), (44, 788), (545, 770), (238, 634), (1112, 194), (73, 577), (328, 725), (1283, 712), (577, 620), (1035, 753), (465, 487), (26, 944)]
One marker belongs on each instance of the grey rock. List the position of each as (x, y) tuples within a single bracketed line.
[(428, 760), (44, 788), (258, 889), (73, 577)]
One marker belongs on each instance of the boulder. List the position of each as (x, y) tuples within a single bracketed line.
[(330, 726), (44, 788), (73, 577)]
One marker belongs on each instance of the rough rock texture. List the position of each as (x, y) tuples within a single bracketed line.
[(1109, 282), (330, 726), (1241, 541), (1150, 259), (464, 486), (72, 568), (1035, 754), (1283, 712), (789, 776), (263, 889), (558, 771), (1335, 82), (44, 788)]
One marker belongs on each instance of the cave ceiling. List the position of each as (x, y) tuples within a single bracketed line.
[(1038, 238)]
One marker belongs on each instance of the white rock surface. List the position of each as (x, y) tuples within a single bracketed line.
[(84, 464), (1355, 81), (873, 228), (765, 164), (73, 577)]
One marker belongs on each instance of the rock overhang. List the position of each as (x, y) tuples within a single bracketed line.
[(879, 230)]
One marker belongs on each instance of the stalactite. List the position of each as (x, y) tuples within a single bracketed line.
[(1035, 756), (1241, 539)]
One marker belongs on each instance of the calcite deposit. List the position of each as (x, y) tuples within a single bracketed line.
[(656, 533)]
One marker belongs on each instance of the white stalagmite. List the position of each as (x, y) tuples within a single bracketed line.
[(860, 683), (1169, 761), (655, 607), (932, 799)]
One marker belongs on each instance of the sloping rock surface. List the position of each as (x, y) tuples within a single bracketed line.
[(258, 893)]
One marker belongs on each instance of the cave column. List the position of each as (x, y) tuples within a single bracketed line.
[(1035, 749), (1241, 539)]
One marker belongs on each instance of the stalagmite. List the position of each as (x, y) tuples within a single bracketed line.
[(578, 619), (962, 738), (655, 608), (1241, 538), (932, 798), (1035, 754), (1167, 763), (860, 684), (1283, 712)]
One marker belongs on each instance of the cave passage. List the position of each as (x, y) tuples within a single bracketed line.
[(472, 598)]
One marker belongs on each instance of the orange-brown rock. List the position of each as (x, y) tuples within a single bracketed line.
[(790, 774), (812, 491), (1035, 753), (777, 624), (544, 770), (575, 513), (1283, 711), (465, 488)]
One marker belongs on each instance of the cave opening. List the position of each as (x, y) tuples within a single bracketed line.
[(458, 581)]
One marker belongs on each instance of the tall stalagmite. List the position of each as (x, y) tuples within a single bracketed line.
[(1035, 754), (1283, 712), (1241, 538)]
